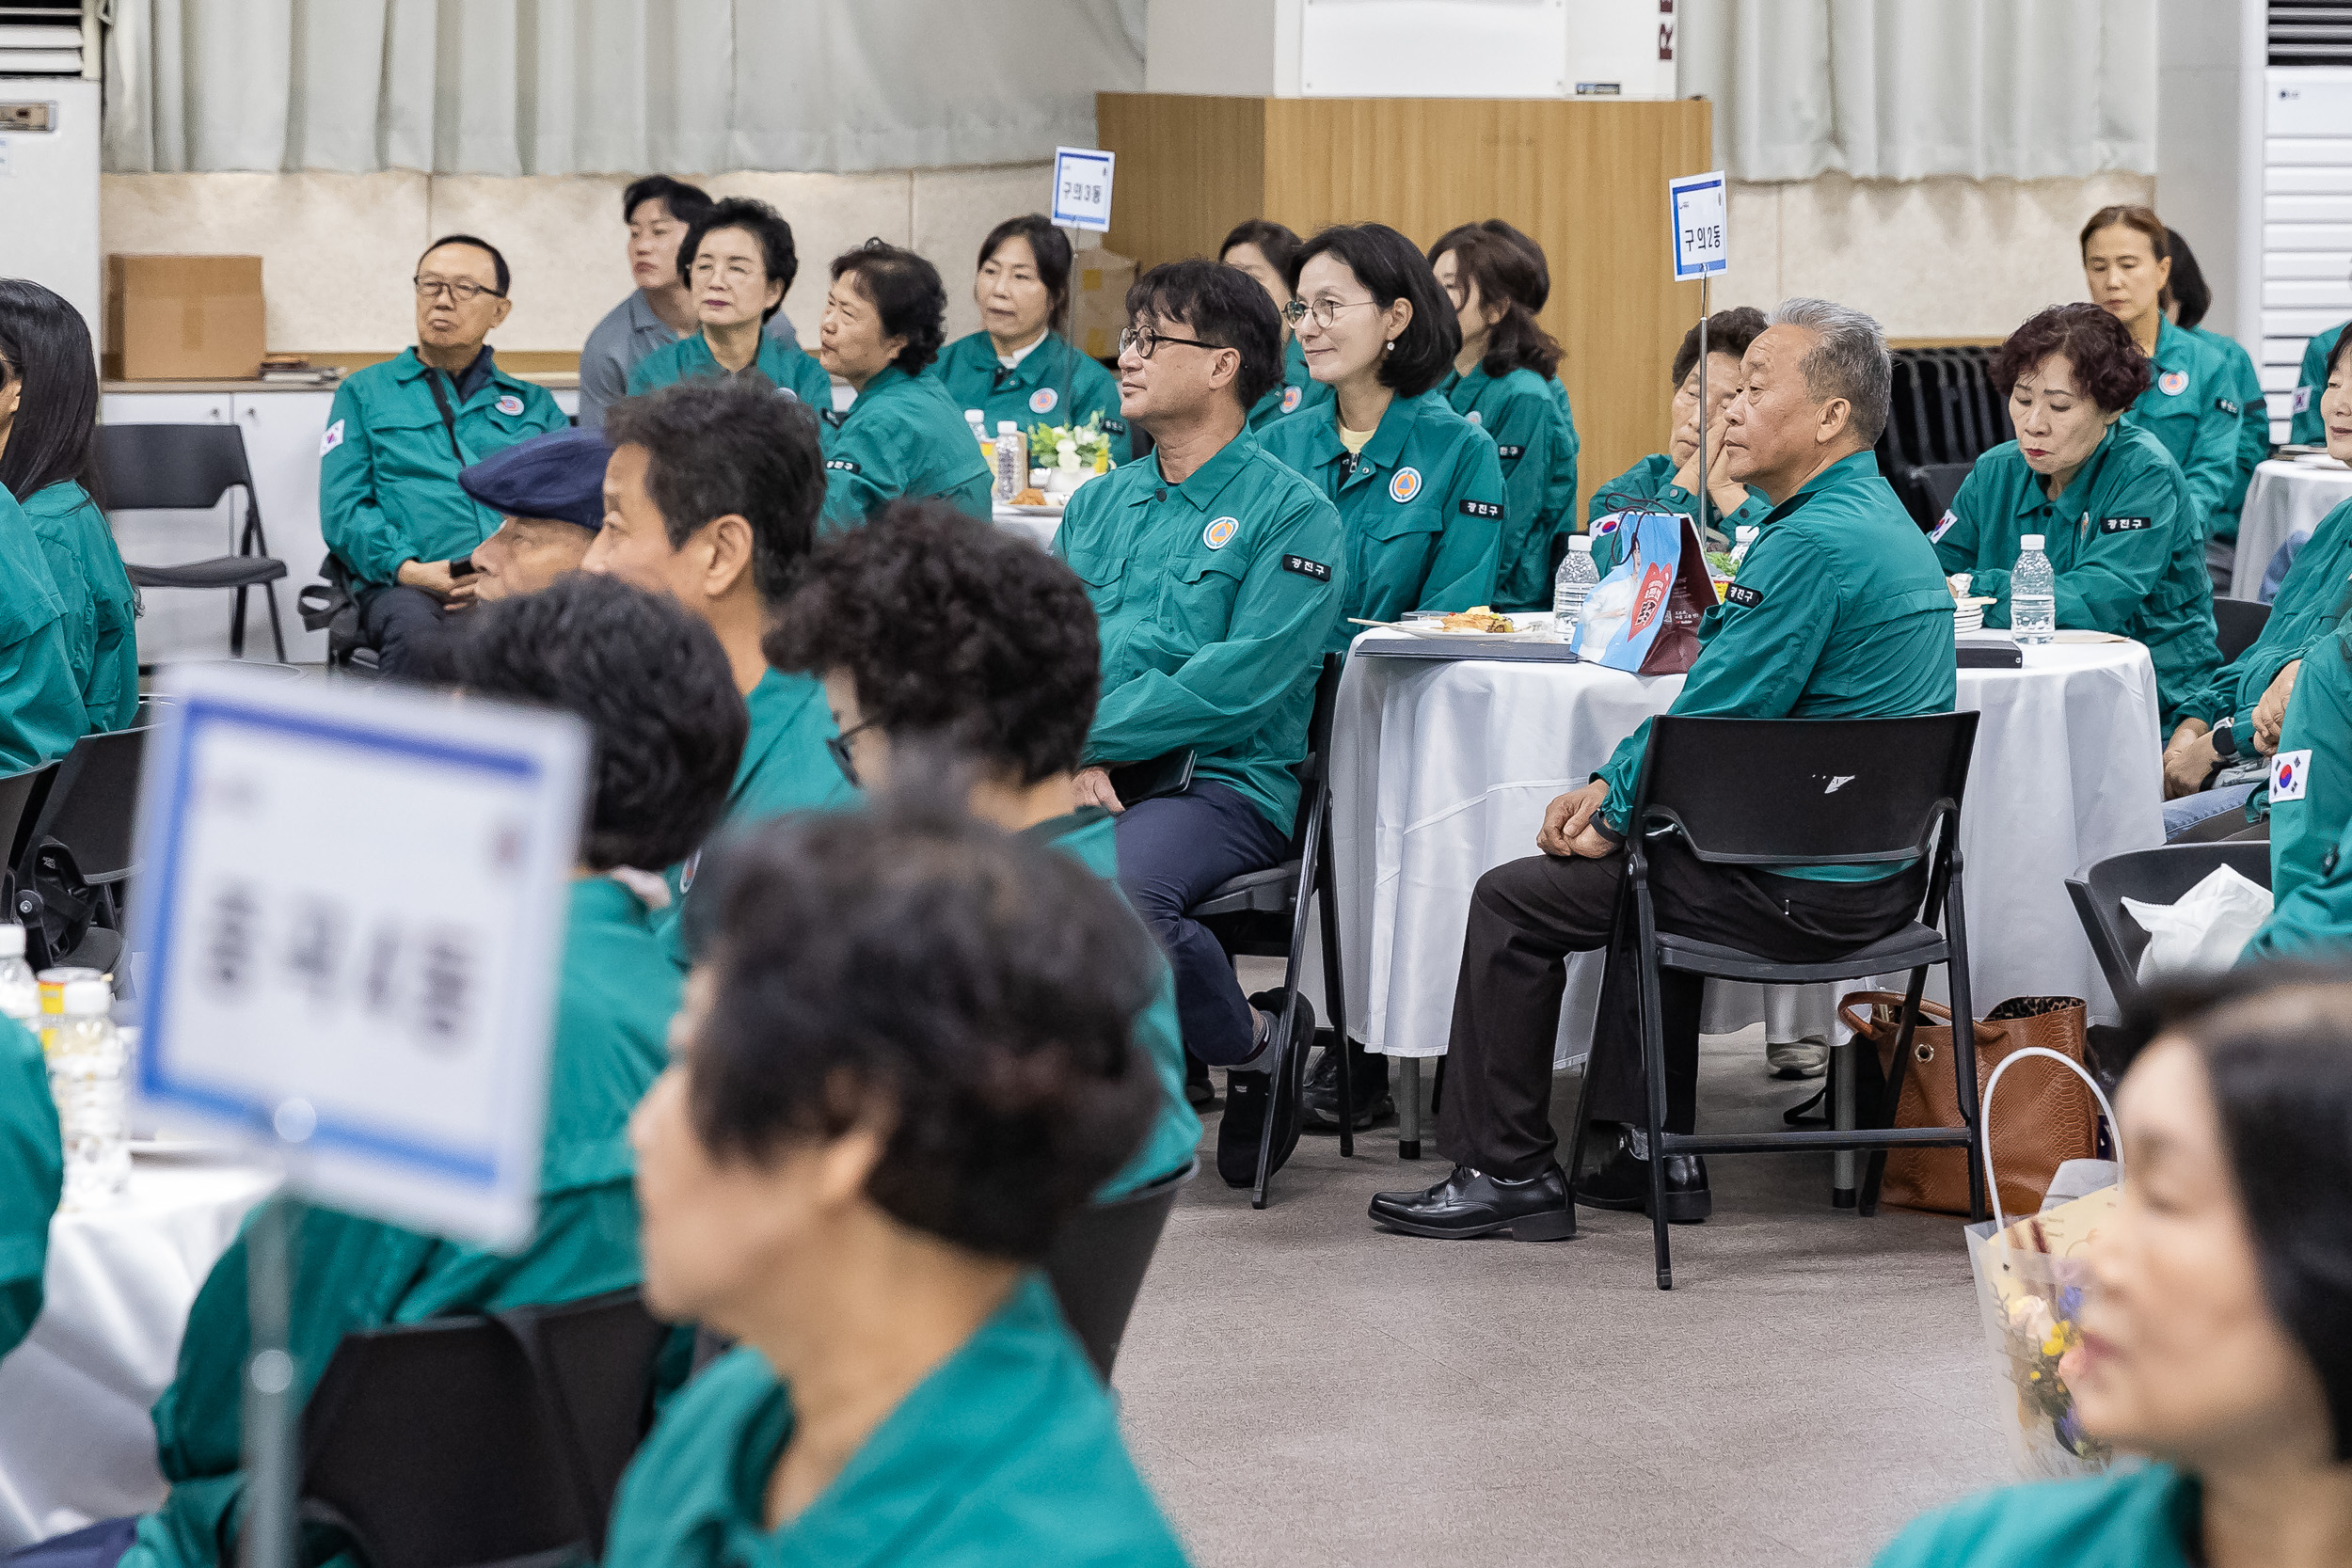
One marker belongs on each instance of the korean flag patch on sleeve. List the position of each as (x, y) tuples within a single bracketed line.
[(2302, 400), (1943, 526), (2290, 773), (333, 438)]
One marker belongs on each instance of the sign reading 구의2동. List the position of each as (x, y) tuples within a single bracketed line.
[(1082, 188), (353, 905), (1702, 226)]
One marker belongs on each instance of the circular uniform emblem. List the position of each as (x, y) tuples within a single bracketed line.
[(1042, 400), (510, 404), (2173, 383), (1290, 399), (1405, 486), (1474, 416), (1220, 532)]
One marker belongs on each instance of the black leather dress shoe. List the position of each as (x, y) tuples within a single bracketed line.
[(1199, 1089), (1251, 1096), (1319, 1107), (1471, 1203), (1621, 1180)]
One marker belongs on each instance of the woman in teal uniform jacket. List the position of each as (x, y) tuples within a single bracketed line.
[(2304, 427), (653, 685), (1501, 381), (1269, 252), (48, 462), (2191, 299), (2191, 403), (1532, 287), (32, 1174), (884, 320), (1017, 367), (2116, 521), (905, 1061), (737, 263), (1419, 488), (2213, 1324), (947, 645), (1668, 481), (41, 714)]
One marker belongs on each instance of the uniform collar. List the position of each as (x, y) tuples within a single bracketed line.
[(1853, 468), (642, 318), (1023, 357), (770, 707), (407, 367), (603, 900), (2075, 496), (884, 379), (1040, 362), (1202, 488), (2175, 348)]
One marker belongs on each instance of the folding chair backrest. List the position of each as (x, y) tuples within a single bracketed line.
[(595, 1362), (174, 467), (427, 1445), (91, 809), (20, 797), (1806, 791), (1314, 770), (1098, 1262), (2157, 876), (2236, 624)]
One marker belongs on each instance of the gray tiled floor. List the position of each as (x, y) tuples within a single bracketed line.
[(1302, 1388)]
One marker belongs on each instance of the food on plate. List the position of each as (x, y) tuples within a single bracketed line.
[(1032, 497), (1480, 618), (1958, 584)]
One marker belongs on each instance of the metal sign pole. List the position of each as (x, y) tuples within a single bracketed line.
[(269, 1379), (1706, 479)]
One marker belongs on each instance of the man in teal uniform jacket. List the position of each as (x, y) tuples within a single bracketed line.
[(653, 686), (1215, 575), (2310, 800), (41, 714), (390, 504), (1841, 612), (738, 262), (32, 1174), (946, 646), (712, 497)]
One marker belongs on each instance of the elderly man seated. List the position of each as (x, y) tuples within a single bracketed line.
[(548, 493), (1840, 613)]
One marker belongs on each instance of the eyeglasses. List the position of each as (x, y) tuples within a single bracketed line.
[(1146, 343), (1322, 309), (839, 746), (461, 291)]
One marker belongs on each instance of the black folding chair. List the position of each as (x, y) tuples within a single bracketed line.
[(2152, 876), (1804, 792), (464, 1442), (2236, 623), (190, 467), (75, 858), (1098, 1262), (1263, 915)]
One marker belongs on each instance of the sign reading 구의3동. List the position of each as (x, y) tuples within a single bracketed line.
[(352, 906), (1702, 226), (1082, 188)]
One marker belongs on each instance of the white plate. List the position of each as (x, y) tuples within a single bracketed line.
[(1032, 511), (168, 1147), (1455, 634)]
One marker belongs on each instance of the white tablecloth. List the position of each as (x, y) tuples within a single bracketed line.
[(1039, 528), (2285, 499), (1441, 769), (76, 1442)]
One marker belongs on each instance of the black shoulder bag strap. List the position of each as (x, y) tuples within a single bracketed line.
[(449, 414)]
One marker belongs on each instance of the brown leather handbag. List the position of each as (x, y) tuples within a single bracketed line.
[(2053, 1120)]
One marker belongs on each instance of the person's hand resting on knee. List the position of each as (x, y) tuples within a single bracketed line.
[(1092, 787), (2270, 714), (1571, 825), (2190, 760)]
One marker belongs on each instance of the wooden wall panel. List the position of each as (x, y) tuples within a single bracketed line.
[(1189, 168)]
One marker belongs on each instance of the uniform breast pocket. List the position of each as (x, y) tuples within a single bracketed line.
[(1197, 601), (1402, 540), (1105, 576), (409, 448)]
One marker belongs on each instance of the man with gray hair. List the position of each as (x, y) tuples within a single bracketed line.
[(1839, 611)]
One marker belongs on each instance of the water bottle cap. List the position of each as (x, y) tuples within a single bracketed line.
[(975, 415), (2029, 542), (12, 941), (1580, 544), (84, 997), (1006, 427)]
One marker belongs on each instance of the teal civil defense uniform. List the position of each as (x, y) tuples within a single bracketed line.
[(786, 367), (100, 606), (1089, 837), (2191, 406), (2305, 428), (2122, 540), (1839, 611), (2312, 603), (615, 999), (32, 1173), (2143, 1518), (1294, 391), (1215, 599), (785, 768), (2310, 795), (1007, 1455), (1536, 447), (2254, 434), (41, 714), (388, 465), (1054, 384), (1421, 506), (1649, 486), (904, 436)]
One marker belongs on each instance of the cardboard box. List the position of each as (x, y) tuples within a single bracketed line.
[(1103, 280), (183, 318)]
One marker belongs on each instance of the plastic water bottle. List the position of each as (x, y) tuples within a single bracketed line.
[(1742, 537), (2032, 594), (20, 993), (976, 423), (1577, 577), (86, 1080), (1012, 460)]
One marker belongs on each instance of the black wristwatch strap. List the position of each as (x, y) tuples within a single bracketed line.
[(2224, 738)]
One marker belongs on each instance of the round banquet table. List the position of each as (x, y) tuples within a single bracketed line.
[(76, 1442), (1037, 527), (2287, 498), (1442, 769)]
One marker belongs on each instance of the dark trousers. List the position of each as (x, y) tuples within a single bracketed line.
[(1528, 915), (1173, 851), (98, 1545), (407, 628)]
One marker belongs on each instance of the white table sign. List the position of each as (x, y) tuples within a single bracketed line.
[(1702, 226), (1082, 188), (352, 904)]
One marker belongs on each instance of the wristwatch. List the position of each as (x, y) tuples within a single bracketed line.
[(2224, 738)]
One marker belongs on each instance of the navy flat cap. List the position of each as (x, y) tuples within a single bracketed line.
[(558, 475)]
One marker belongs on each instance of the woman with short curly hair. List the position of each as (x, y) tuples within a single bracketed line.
[(2114, 514)]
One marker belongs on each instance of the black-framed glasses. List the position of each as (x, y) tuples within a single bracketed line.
[(1323, 310), (1146, 343), (459, 291), (839, 746)]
